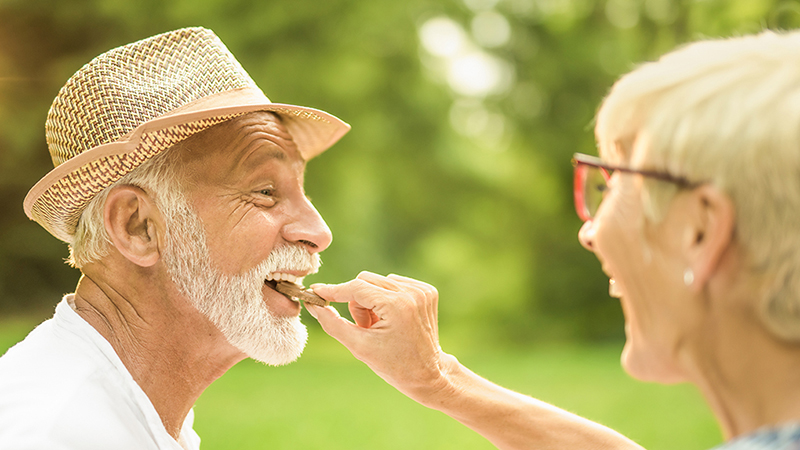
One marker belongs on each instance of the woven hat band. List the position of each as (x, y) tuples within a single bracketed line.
[(127, 86), (59, 207)]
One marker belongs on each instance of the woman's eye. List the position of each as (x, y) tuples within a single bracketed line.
[(267, 192)]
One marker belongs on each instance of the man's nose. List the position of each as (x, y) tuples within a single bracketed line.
[(586, 235), (308, 228)]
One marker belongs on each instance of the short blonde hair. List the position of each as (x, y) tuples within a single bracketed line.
[(727, 112)]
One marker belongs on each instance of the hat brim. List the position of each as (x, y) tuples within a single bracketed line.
[(58, 199)]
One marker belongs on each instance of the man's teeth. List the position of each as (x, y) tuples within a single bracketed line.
[(280, 276), (613, 289)]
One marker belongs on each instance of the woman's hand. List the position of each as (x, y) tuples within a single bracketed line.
[(396, 334), (395, 331)]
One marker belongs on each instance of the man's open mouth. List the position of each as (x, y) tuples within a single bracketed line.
[(288, 285), (283, 276), (274, 278), (272, 282)]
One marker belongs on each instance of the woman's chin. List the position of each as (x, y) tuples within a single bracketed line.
[(645, 365)]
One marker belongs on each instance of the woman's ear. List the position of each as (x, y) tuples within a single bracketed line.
[(712, 220), (134, 224)]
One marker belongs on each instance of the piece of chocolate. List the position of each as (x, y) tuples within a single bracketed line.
[(292, 290)]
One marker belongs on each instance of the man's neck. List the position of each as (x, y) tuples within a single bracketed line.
[(172, 351)]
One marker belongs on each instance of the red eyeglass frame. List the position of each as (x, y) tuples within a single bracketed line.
[(581, 162)]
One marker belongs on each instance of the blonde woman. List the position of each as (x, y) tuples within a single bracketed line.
[(693, 209)]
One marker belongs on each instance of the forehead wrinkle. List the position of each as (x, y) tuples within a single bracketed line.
[(238, 147), (267, 123), (264, 133), (259, 151)]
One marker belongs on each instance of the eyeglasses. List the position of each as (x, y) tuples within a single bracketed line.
[(591, 182)]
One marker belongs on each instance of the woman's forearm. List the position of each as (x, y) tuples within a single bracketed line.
[(511, 420), (396, 334)]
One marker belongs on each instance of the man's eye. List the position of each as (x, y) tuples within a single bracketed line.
[(265, 198)]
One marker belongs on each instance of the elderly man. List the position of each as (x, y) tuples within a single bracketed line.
[(179, 187)]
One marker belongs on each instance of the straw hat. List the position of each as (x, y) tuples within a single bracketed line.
[(137, 100)]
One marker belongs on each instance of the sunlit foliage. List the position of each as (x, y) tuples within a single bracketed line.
[(465, 114)]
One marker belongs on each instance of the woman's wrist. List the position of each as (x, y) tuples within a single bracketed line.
[(441, 389)]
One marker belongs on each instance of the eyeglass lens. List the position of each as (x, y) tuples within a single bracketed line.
[(592, 182)]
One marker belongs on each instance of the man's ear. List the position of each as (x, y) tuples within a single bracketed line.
[(134, 224), (712, 221)]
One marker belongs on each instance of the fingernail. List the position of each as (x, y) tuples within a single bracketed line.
[(312, 309)]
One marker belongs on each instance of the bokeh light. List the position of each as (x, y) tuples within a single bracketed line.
[(441, 36), (491, 29), (478, 74)]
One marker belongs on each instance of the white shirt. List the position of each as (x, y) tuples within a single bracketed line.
[(64, 387)]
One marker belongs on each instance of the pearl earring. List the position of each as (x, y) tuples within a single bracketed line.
[(688, 277)]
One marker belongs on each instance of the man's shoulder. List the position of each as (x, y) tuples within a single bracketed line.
[(76, 409), (59, 355), (59, 389), (48, 363), (48, 387)]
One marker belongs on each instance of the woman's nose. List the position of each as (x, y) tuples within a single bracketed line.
[(586, 235)]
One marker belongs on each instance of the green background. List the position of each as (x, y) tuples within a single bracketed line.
[(328, 400), (467, 190)]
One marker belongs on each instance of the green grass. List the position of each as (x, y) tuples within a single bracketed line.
[(328, 400)]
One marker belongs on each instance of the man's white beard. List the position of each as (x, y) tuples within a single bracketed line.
[(234, 303)]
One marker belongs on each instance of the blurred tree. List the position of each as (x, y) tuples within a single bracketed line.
[(465, 114)]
